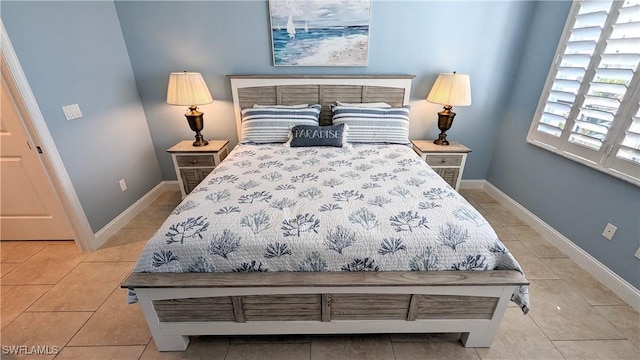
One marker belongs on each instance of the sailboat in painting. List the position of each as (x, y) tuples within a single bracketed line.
[(306, 27), (291, 29)]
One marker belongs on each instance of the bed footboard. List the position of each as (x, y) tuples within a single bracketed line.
[(178, 305)]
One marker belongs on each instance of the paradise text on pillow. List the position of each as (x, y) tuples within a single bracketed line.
[(317, 134)]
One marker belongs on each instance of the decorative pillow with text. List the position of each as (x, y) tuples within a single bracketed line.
[(309, 135)]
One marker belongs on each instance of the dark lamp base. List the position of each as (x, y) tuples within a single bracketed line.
[(441, 140), (200, 141), (445, 120), (196, 123)]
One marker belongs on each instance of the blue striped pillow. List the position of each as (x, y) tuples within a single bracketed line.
[(374, 125), (272, 124)]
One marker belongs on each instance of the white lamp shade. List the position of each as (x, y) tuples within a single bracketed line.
[(187, 88), (451, 89)]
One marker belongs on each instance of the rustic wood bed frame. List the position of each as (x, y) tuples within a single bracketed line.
[(176, 305)]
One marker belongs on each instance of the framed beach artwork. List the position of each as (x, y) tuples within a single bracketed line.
[(320, 32)]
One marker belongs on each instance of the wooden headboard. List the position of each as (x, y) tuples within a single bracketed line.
[(248, 90)]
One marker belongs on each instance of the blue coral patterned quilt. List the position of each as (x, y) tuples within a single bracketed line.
[(357, 208)]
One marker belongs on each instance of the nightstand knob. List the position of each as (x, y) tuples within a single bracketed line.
[(442, 161), (194, 162)]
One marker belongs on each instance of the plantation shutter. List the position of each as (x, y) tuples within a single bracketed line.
[(626, 152), (589, 108)]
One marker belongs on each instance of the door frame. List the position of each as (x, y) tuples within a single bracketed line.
[(39, 135)]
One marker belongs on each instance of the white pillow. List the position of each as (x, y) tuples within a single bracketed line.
[(371, 104)]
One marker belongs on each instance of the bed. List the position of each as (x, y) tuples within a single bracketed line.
[(363, 238)]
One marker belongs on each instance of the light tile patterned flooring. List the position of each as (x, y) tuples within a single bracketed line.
[(54, 295)]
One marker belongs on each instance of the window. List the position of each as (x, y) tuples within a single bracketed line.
[(589, 110)]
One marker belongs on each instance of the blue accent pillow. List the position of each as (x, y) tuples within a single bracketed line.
[(309, 135)]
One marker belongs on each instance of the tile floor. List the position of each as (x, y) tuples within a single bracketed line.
[(53, 295)]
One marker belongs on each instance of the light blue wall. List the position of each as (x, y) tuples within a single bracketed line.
[(74, 53), (422, 38), (574, 199)]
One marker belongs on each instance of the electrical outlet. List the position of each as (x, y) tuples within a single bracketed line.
[(637, 254), (609, 231), (123, 185), (72, 111)]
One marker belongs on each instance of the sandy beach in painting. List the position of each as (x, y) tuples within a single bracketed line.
[(347, 51), (338, 46)]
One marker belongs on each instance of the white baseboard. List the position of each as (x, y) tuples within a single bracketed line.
[(472, 184), (614, 282), (173, 185), (121, 220)]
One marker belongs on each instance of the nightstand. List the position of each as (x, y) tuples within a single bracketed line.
[(447, 160), (194, 163)]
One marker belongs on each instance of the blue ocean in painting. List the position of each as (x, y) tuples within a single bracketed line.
[(343, 45)]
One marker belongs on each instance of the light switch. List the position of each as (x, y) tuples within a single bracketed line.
[(72, 111)]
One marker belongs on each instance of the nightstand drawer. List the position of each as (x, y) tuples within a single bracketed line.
[(193, 163), (194, 160), (444, 160), (448, 161)]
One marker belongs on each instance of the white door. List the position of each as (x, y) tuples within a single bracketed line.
[(29, 207)]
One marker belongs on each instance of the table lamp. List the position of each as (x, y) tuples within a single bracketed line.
[(449, 89), (189, 88)]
